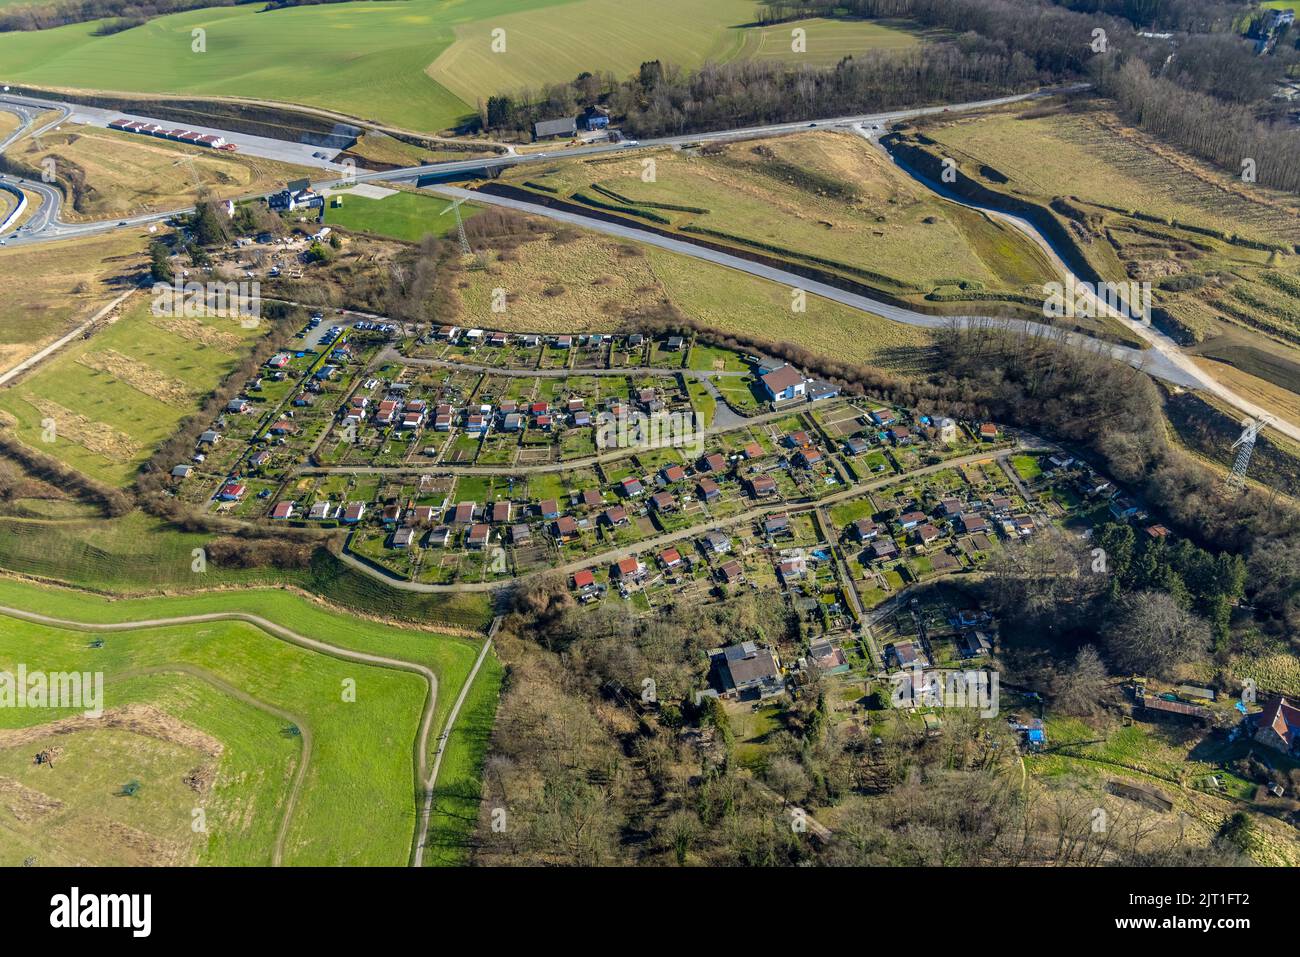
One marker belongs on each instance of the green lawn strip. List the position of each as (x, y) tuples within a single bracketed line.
[(456, 798)]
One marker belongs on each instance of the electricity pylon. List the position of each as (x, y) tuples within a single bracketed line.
[(460, 226), (1245, 446)]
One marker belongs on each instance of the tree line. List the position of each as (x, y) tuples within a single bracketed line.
[(1205, 91)]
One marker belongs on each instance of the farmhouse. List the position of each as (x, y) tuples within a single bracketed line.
[(826, 657), (925, 533), (864, 530), (670, 474), (902, 654), (595, 118), (884, 549), (974, 643), (775, 525), (716, 543), (231, 492), (910, 520), (291, 199), (663, 502), (792, 569), (730, 573)]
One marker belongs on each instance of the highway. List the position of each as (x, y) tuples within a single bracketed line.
[(51, 228), (1164, 359)]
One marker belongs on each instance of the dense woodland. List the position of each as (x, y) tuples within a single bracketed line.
[(588, 773)]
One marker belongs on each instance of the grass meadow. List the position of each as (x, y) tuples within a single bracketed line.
[(358, 800), (419, 64), (113, 398)]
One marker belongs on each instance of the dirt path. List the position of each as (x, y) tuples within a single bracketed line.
[(304, 759), (668, 538), (417, 859)]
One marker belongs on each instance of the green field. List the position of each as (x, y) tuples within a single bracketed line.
[(1219, 254), (103, 404), (406, 216), (356, 805), (420, 64), (136, 554)]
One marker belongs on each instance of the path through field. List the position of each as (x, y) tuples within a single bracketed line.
[(424, 773)]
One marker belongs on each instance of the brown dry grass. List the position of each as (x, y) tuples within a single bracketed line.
[(142, 719), (139, 376), (194, 331), (90, 435)]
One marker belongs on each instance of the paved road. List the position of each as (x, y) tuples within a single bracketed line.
[(1154, 364), (54, 230), (1169, 350), (1164, 359), (45, 215), (285, 634), (32, 361)]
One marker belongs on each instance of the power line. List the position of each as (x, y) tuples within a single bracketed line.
[(1245, 446)]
